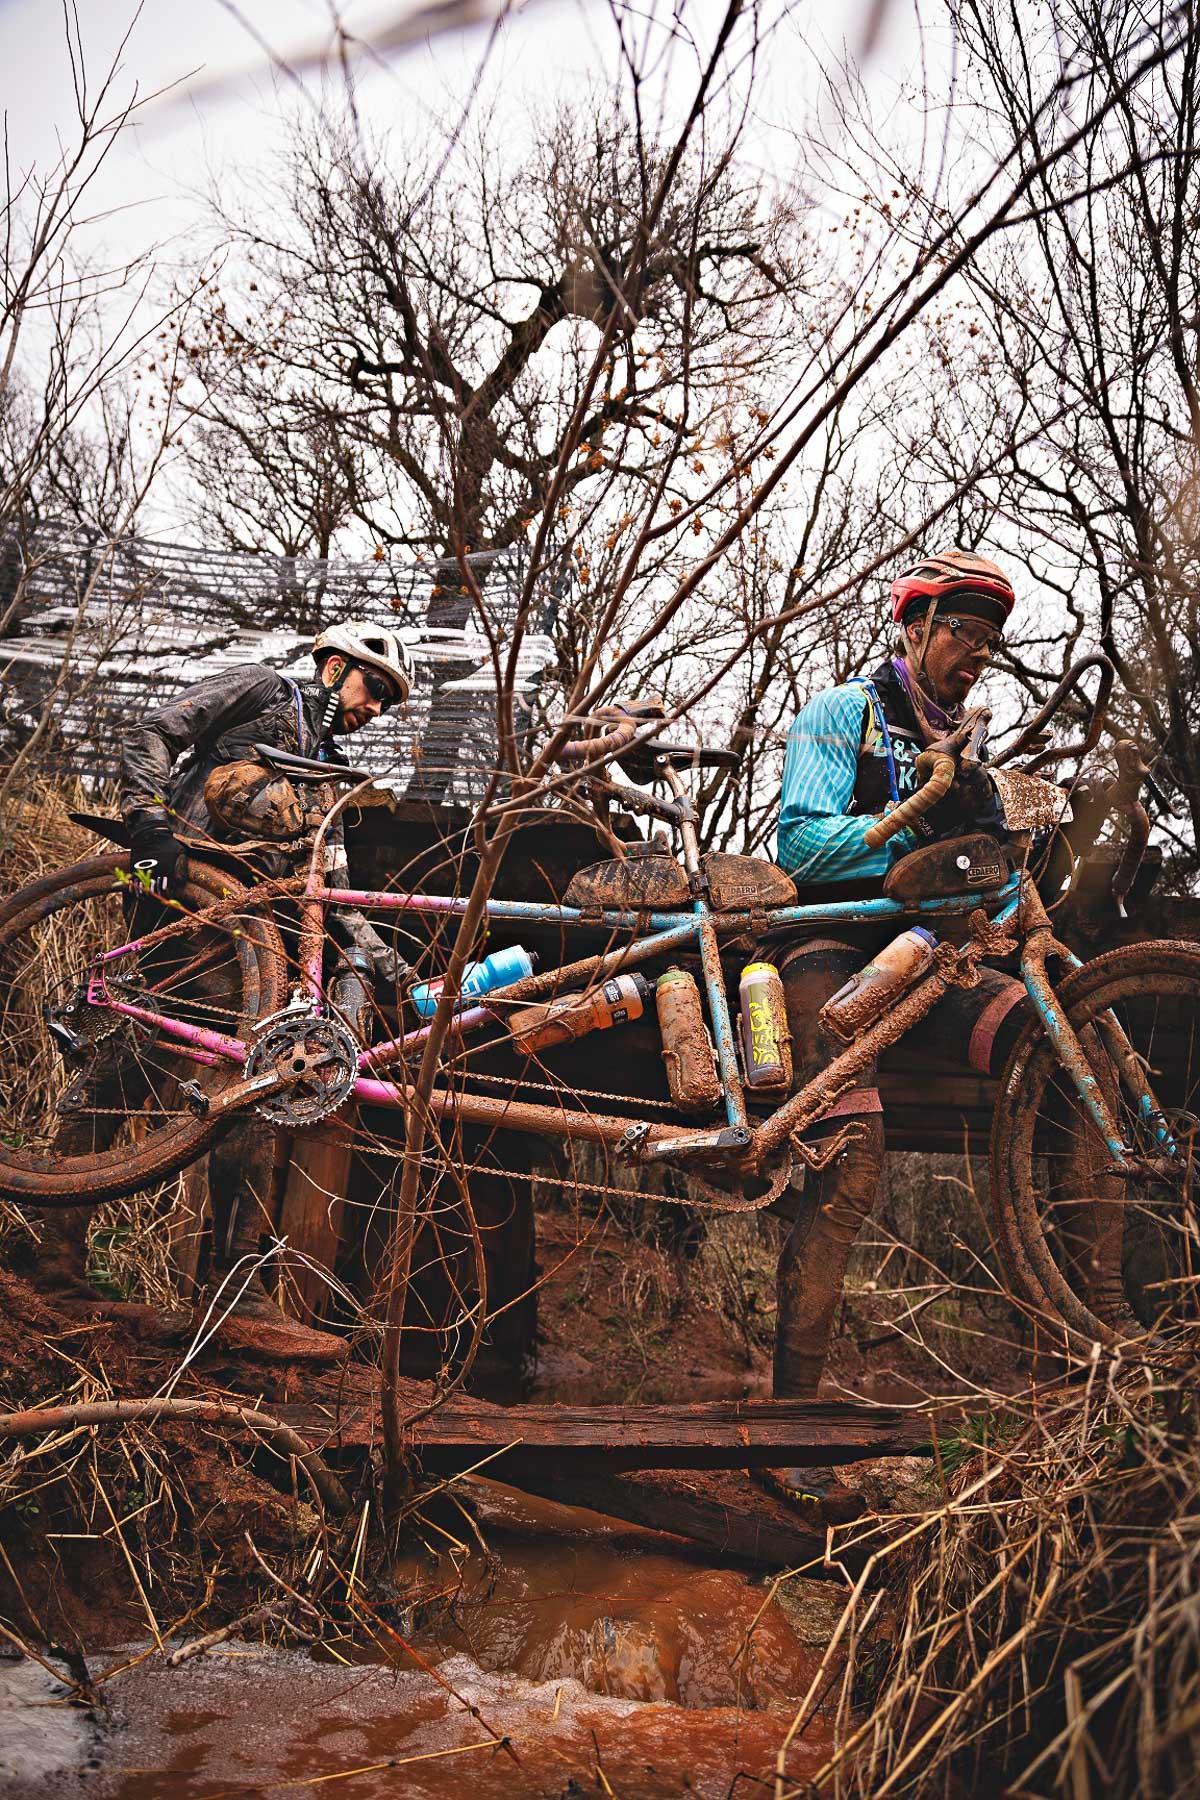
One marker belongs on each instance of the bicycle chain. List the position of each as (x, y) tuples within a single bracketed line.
[(550, 1087), (582, 1185)]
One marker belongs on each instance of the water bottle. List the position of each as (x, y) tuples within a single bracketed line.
[(498, 970), (570, 1016), (351, 992), (763, 1028), (686, 1046), (867, 995)]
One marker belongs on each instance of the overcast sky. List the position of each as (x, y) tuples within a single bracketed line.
[(227, 116)]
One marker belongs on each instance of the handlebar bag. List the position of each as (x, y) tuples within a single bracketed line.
[(975, 864)]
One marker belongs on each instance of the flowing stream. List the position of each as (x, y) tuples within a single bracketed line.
[(574, 1659)]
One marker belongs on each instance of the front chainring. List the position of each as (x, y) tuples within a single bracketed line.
[(319, 1060)]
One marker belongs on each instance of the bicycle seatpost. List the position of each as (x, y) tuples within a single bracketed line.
[(687, 821)]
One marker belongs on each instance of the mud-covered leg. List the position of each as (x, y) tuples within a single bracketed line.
[(241, 1185), (812, 1268), (831, 1211)]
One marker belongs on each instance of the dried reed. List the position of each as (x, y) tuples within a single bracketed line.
[(1042, 1632)]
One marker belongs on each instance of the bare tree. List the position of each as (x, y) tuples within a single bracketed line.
[(1085, 318), (91, 383)]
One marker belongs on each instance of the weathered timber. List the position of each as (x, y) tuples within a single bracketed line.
[(716, 1508), (613, 1440), (314, 1200), (187, 1223)]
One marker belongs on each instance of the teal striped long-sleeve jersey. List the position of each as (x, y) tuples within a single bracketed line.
[(819, 839)]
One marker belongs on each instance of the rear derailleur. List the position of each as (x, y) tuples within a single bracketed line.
[(80, 1030)]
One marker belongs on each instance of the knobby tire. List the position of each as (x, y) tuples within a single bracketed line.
[(1150, 976), (257, 987)]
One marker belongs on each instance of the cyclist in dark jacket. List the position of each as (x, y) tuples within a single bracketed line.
[(166, 760), (167, 757)]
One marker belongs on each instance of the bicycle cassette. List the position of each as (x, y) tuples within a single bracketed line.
[(318, 1058)]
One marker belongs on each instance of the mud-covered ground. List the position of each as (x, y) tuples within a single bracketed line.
[(607, 1658)]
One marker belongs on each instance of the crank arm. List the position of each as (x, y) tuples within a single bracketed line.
[(242, 1094), (730, 1140)]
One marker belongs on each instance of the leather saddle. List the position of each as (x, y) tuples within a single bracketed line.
[(660, 884)]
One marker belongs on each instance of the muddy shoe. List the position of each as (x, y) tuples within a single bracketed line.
[(816, 1494), (258, 1327)]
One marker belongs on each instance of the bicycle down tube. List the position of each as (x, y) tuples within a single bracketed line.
[(659, 933)]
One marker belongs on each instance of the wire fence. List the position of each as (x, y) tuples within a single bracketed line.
[(100, 632)]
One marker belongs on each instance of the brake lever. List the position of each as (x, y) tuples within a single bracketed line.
[(966, 739), (635, 800)]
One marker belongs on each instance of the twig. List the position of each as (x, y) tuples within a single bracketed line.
[(38, 1421)]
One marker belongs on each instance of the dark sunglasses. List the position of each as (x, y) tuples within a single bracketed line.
[(379, 688), (974, 634)]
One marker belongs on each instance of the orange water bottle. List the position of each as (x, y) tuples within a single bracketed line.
[(867, 995), (613, 1002)]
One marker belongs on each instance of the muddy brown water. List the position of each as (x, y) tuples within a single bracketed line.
[(608, 1663)]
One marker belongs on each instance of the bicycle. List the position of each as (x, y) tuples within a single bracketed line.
[(123, 1053)]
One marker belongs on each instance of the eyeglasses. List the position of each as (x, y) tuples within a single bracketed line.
[(973, 634), (379, 688)]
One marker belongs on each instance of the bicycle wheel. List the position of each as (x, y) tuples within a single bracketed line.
[(90, 1101), (1109, 1253)]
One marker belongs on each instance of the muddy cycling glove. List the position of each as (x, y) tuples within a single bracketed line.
[(156, 854)]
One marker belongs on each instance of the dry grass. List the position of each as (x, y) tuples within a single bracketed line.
[(734, 1276), (37, 835), (1037, 1633)]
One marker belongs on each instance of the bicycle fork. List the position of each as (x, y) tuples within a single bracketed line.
[(1073, 1058)]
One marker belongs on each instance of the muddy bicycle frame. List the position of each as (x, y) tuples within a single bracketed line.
[(701, 929)]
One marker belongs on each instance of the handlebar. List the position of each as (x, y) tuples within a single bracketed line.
[(939, 769), (603, 748), (936, 767), (1026, 739), (626, 718)]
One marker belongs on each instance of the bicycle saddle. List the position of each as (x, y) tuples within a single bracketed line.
[(306, 768)]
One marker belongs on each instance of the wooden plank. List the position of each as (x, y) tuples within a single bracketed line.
[(610, 1440), (189, 1218), (718, 1509), (310, 1218)]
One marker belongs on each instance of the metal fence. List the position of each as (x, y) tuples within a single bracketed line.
[(103, 632)]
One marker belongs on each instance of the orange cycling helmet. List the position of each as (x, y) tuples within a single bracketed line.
[(975, 585)]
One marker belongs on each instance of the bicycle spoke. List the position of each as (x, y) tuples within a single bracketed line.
[(90, 1095), (1101, 1239)]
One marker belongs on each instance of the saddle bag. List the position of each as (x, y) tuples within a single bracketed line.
[(659, 884), (639, 884), (975, 864)]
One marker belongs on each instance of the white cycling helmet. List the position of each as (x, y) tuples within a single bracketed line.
[(374, 645)]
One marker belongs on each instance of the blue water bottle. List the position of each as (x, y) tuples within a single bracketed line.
[(495, 971)]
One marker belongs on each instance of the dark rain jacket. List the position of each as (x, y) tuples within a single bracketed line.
[(167, 757)]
